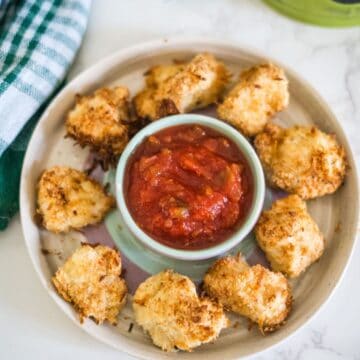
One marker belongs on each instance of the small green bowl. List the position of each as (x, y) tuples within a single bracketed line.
[(245, 148)]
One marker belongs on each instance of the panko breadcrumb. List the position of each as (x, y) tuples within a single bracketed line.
[(90, 280), (184, 88), (301, 160), (261, 92), (167, 306), (289, 236), (68, 199), (100, 122), (255, 292)]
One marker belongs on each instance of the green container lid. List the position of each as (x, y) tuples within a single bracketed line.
[(334, 13)]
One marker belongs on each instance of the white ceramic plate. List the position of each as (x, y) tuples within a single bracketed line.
[(336, 214)]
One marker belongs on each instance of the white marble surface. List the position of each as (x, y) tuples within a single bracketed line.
[(33, 327)]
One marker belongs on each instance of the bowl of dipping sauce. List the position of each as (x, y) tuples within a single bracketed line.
[(189, 187)]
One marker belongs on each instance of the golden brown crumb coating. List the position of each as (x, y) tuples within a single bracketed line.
[(261, 92), (301, 160), (145, 102), (255, 292), (167, 306), (200, 84), (100, 122), (289, 236), (90, 280), (183, 88), (158, 74), (68, 199)]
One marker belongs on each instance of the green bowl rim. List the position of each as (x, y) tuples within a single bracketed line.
[(247, 151)]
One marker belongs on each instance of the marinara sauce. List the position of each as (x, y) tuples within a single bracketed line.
[(188, 187)]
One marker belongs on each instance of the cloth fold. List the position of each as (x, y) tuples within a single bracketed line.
[(38, 43)]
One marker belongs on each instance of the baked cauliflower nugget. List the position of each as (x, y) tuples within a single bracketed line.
[(259, 294), (301, 160), (68, 199), (182, 88), (145, 102), (261, 92), (167, 306), (289, 236), (90, 280), (99, 121)]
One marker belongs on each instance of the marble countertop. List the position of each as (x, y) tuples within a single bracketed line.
[(32, 326)]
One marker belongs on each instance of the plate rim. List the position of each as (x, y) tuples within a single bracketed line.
[(155, 45)]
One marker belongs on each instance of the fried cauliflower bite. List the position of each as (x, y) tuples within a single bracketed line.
[(67, 199), (90, 280), (261, 92), (200, 84), (167, 306), (195, 85), (145, 103), (289, 236), (301, 160), (255, 292), (99, 121)]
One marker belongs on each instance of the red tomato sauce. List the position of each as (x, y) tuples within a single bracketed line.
[(188, 187)]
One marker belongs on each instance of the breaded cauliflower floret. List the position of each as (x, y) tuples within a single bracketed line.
[(90, 280), (289, 236), (145, 102), (261, 92), (301, 160), (68, 199), (195, 85), (167, 306), (99, 121), (200, 84), (259, 294)]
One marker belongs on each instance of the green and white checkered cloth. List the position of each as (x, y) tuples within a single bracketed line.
[(38, 42)]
